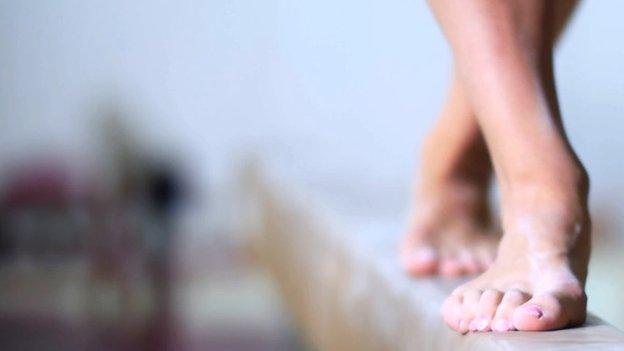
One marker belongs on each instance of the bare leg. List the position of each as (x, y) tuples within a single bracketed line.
[(449, 231), (503, 50)]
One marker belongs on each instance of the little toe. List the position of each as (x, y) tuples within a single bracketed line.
[(451, 311), (488, 303), (503, 319)]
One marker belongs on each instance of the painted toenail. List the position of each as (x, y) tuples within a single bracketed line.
[(501, 325), (534, 311)]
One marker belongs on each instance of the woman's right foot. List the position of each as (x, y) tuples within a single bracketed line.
[(537, 282)]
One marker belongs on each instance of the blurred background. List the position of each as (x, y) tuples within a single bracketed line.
[(122, 125)]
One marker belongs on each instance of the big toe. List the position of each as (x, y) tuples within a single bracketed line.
[(422, 261), (547, 312)]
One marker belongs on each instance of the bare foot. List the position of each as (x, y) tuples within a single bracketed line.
[(449, 233), (537, 281), (503, 52)]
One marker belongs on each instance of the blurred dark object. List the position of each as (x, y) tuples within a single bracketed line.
[(43, 213), (85, 261)]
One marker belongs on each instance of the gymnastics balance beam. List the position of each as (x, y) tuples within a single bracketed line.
[(340, 279)]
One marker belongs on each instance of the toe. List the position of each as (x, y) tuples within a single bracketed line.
[(418, 258), (488, 303), (503, 319), (469, 262), (422, 261), (542, 312), (451, 311), (450, 266), (485, 257), (470, 304)]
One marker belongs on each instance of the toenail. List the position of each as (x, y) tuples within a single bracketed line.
[(481, 324), (462, 325), (501, 325), (473, 325), (534, 311)]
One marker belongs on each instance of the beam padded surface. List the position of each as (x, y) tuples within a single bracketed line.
[(339, 277)]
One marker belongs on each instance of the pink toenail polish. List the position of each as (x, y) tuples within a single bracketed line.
[(473, 326), (502, 326), (534, 311)]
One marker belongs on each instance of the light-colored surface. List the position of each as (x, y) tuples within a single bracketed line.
[(339, 275), (341, 91)]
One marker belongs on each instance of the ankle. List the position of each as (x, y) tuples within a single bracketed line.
[(549, 186), (457, 199), (463, 163), (548, 204)]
